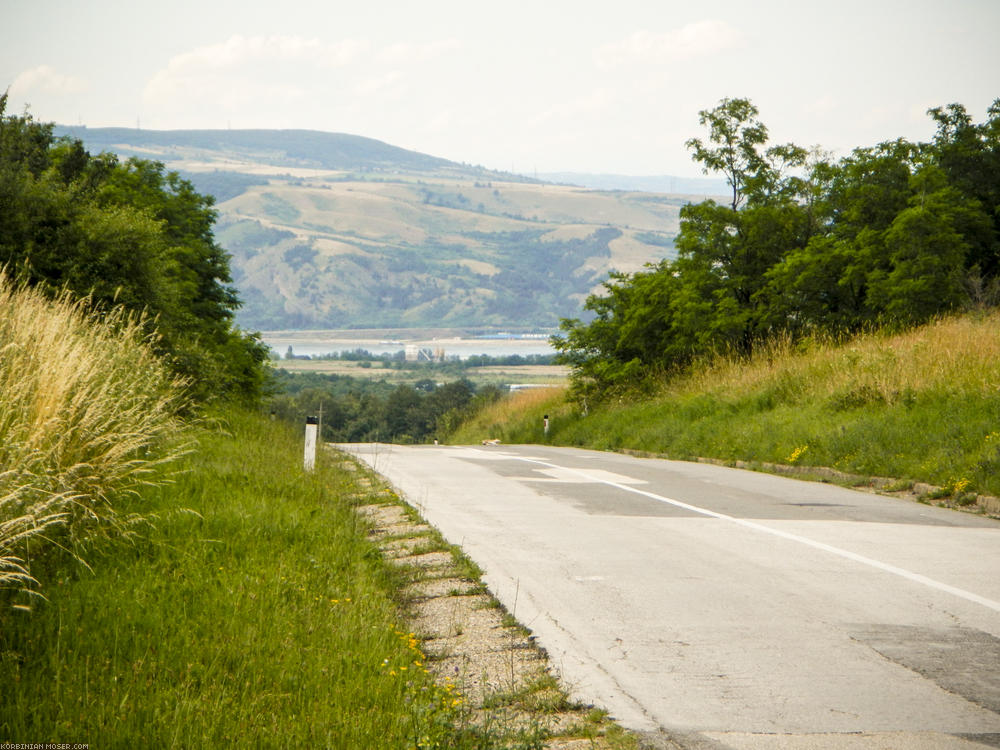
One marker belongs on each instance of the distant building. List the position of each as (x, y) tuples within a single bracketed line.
[(415, 353)]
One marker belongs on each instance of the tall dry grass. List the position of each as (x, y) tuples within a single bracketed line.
[(516, 418), (88, 414), (955, 354)]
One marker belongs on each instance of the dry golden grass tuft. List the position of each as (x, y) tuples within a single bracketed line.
[(957, 354), (87, 414), (495, 421)]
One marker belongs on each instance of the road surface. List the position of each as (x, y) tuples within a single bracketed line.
[(726, 608)]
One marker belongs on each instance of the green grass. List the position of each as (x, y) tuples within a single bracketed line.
[(251, 611), (922, 405)]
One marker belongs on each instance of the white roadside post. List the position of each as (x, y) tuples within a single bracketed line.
[(546, 418), (312, 428)]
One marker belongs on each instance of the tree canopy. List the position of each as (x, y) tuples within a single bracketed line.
[(125, 234), (892, 234), (360, 410)]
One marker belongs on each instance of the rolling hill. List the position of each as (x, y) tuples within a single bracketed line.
[(337, 231)]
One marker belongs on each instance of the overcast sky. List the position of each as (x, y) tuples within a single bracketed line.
[(541, 85)]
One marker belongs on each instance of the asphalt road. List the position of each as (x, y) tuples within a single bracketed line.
[(722, 608)]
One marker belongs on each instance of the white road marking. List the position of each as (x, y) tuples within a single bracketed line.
[(588, 476), (591, 476)]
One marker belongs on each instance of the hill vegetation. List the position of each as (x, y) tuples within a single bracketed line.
[(333, 231)]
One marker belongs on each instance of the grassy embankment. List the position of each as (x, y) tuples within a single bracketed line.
[(228, 599), (923, 405), (252, 611)]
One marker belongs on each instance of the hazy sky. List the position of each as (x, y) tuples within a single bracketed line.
[(546, 85)]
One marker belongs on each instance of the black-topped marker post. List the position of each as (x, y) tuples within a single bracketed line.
[(312, 428)]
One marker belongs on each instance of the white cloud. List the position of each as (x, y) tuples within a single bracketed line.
[(822, 106), (378, 83), (252, 65), (48, 80), (442, 122), (587, 104), (406, 53), (269, 81), (239, 50), (689, 42)]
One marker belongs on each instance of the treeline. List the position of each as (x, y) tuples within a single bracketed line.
[(397, 360), (126, 235), (359, 410), (507, 360), (891, 235)]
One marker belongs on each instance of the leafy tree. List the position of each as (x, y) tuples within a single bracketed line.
[(713, 295), (125, 235), (969, 156), (925, 256), (892, 234), (405, 418), (824, 282), (364, 410), (632, 331), (928, 246), (737, 135)]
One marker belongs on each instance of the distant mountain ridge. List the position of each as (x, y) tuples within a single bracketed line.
[(306, 148), (328, 230), (651, 184)]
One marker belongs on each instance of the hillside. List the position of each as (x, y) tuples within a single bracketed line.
[(336, 231), (306, 148)]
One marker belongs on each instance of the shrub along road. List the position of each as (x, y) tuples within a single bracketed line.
[(725, 607)]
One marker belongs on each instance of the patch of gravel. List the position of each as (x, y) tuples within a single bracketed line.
[(383, 516), (432, 588), (407, 547), (438, 561), (471, 643)]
